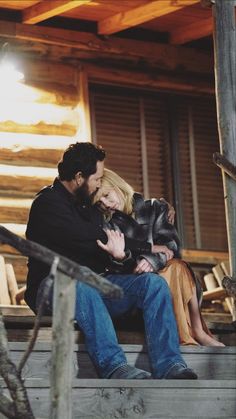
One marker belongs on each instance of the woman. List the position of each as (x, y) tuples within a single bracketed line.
[(141, 219)]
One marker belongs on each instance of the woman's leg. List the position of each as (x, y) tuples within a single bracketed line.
[(186, 308), (201, 336)]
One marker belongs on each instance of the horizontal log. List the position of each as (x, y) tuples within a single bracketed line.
[(49, 75), (41, 92), (32, 149), (5, 248), (31, 157), (149, 79), (39, 128), (54, 93), (14, 210), (165, 57), (18, 229), (25, 179)]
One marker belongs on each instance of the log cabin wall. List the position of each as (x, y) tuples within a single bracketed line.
[(53, 107), (39, 119)]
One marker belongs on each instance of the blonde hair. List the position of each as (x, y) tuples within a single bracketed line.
[(112, 180)]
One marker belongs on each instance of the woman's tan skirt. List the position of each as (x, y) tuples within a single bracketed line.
[(182, 287)]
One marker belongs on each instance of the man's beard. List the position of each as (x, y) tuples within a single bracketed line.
[(83, 195)]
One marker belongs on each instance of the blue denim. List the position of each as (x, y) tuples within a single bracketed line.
[(148, 292)]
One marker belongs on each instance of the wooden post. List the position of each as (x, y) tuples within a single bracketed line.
[(225, 75), (62, 347)]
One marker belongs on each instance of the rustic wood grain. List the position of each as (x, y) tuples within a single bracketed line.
[(100, 399), (62, 347), (165, 57), (225, 65)]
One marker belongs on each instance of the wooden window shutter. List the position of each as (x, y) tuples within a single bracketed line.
[(209, 179), (117, 129), (201, 183), (186, 198), (158, 148)]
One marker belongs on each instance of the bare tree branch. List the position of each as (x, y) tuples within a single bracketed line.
[(67, 266), (12, 379), (48, 282)]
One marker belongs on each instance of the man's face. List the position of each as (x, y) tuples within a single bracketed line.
[(90, 186)]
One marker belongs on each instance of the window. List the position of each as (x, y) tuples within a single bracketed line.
[(162, 145)]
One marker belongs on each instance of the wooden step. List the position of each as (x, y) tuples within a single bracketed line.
[(209, 363), (141, 399)]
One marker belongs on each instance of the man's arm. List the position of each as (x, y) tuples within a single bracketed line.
[(55, 223)]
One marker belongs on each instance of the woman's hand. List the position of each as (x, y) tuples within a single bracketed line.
[(115, 245), (156, 248), (143, 266), (171, 211)]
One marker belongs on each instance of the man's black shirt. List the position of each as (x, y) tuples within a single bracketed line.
[(71, 229)]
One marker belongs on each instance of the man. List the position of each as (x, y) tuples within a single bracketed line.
[(63, 219)]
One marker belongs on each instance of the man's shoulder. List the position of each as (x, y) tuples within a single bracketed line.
[(46, 193)]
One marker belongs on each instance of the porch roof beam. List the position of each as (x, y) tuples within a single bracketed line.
[(196, 30), (141, 14), (47, 9)]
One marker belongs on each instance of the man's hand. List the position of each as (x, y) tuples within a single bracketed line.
[(143, 266), (115, 245), (163, 249), (171, 211)]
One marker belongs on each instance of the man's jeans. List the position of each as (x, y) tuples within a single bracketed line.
[(148, 292)]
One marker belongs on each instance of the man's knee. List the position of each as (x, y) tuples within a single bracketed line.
[(156, 282), (84, 291)]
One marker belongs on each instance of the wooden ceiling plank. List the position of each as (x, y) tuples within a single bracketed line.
[(47, 9), (141, 14), (191, 32)]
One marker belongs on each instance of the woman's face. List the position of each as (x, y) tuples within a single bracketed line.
[(111, 200)]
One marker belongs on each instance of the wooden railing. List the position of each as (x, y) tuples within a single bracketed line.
[(63, 321)]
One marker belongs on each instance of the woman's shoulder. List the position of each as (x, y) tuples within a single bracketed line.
[(146, 204)]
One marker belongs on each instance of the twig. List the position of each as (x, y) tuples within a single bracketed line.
[(67, 266), (222, 162), (12, 379), (47, 286)]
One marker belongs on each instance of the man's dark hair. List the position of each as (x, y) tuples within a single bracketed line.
[(80, 157)]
